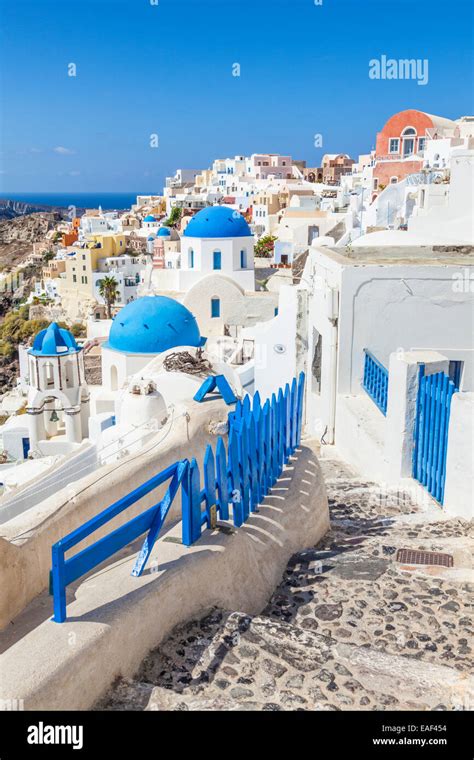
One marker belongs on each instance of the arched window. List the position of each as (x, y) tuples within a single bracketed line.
[(215, 307), (113, 377), (393, 180), (49, 375), (191, 258), (216, 260), (33, 380), (408, 135), (69, 374)]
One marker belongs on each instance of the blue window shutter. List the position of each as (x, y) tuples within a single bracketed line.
[(217, 260), (215, 307)]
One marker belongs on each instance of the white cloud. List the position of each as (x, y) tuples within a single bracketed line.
[(63, 151)]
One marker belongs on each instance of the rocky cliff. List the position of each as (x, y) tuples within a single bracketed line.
[(17, 235), (10, 209)]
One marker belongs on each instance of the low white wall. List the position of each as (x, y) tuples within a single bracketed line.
[(98, 328), (116, 619), (360, 435), (75, 466), (459, 484)]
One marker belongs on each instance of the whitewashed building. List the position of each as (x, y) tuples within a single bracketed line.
[(214, 275)]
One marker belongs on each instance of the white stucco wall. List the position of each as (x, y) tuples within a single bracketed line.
[(385, 308), (237, 307), (275, 347), (408, 307), (323, 282), (459, 484), (73, 467), (98, 328), (453, 221), (125, 364)]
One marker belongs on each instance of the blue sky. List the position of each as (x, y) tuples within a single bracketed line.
[(167, 69)]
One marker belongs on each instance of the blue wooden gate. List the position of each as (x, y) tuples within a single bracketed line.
[(262, 438), (431, 431)]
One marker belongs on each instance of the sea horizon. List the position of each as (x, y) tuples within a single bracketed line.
[(106, 199)]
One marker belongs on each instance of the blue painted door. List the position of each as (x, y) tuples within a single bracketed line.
[(431, 432)]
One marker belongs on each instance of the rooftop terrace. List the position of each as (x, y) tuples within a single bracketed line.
[(429, 255)]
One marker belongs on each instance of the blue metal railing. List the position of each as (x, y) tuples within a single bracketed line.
[(261, 440), (375, 381)]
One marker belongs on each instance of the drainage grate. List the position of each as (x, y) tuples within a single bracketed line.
[(416, 557)]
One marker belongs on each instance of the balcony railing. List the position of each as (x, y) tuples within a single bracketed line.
[(375, 381)]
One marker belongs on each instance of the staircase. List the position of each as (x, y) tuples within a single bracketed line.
[(348, 628)]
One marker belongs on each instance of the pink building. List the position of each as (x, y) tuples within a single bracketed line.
[(261, 165)]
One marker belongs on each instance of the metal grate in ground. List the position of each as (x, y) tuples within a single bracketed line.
[(417, 557)]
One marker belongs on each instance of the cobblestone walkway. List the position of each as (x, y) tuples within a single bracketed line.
[(348, 628)]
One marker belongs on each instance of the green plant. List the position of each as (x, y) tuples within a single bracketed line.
[(24, 311), (32, 327), (78, 329), (265, 246), (108, 291), (7, 349), (11, 327), (174, 217)]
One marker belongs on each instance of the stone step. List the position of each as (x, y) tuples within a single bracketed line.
[(335, 469), (231, 661)]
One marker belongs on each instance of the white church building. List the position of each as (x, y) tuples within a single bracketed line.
[(142, 330), (213, 275), (58, 396)]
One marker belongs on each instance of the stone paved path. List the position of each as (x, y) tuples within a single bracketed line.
[(348, 627)]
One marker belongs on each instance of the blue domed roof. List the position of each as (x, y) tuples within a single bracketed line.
[(217, 222), (153, 324), (54, 341), (164, 232), (149, 218), (151, 237)]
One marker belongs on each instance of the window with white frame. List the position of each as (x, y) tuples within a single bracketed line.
[(394, 145), (421, 143)]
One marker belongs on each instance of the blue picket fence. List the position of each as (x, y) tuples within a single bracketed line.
[(235, 481), (431, 431), (375, 381)]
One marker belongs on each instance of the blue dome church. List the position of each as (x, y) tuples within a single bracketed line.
[(58, 396), (214, 269), (143, 329)]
